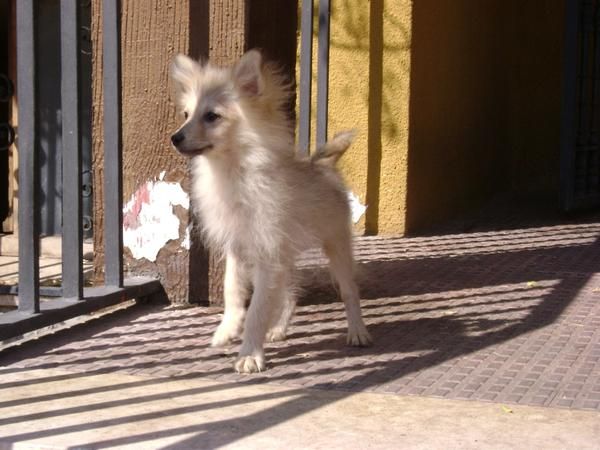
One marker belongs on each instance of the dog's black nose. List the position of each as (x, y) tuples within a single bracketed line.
[(177, 138)]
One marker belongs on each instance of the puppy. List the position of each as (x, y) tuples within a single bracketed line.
[(259, 204)]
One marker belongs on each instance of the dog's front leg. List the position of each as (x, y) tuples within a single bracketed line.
[(267, 284), (235, 293)]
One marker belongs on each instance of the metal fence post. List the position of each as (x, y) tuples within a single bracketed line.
[(323, 73), (113, 179), (72, 234), (305, 75), (29, 245)]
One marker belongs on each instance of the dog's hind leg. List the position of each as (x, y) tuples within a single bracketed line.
[(235, 293), (283, 314), (342, 269), (268, 283)]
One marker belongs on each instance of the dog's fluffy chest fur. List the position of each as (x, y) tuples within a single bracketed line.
[(240, 209)]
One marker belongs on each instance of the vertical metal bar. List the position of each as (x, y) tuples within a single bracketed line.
[(29, 245), (595, 90), (568, 126), (72, 235), (323, 73), (305, 75), (113, 182), (586, 30)]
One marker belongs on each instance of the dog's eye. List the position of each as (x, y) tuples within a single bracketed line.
[(210, 116), (185, 115)]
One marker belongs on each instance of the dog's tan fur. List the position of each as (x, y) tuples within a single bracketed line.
[(258, 202)]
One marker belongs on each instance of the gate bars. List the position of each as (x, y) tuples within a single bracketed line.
[(580, 124), (72, 298), (306, 34)]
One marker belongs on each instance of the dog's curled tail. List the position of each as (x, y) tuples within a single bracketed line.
[(329, 153)]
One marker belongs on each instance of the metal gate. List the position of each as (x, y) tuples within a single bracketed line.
[(580, 133), (71, 298), (306, 62)]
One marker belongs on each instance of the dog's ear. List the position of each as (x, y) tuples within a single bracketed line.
[(247, 74), (184, 71)]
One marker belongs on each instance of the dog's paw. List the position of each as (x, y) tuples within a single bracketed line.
[(223, 336), (250, 364), (276, 335), (359, 338)]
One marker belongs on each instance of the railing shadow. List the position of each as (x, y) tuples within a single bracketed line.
[(427, 302)]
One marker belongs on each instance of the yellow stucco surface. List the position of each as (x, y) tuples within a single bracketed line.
[(455, 102), (485, 105), (369, 91)]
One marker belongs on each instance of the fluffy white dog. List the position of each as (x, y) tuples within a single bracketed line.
[(259, 203)]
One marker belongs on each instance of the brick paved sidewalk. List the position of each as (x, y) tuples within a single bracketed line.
[(507, 316)]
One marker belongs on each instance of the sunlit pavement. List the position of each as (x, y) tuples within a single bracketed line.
[(482, 339)]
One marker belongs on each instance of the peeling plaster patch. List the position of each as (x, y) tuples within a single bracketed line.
[(148, 218), (186, 243), (357, 208)]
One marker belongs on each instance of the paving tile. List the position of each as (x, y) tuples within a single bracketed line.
[(504, 316)]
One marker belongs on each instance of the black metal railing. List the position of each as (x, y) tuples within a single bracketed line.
[(306, 63), (71, 298), (580, 127)]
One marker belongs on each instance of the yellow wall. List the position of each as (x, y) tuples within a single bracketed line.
[(369, 91), (455, 103), (535, 39), (485, 105), (458, 108)]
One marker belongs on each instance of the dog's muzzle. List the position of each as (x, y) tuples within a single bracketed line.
[(178, 138)]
